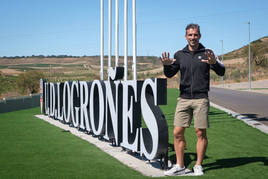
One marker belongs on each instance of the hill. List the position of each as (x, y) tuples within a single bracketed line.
[(68, 69), (78, 68), (258, 47), (63, 68), (236, 63)]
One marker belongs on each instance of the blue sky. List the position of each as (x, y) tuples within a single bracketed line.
[(72, 27)]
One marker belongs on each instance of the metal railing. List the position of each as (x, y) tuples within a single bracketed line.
[(19, 103)]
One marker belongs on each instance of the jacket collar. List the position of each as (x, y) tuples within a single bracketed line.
[(200, 48)]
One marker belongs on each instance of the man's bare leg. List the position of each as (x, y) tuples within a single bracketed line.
[(201, 145), (179, 144)]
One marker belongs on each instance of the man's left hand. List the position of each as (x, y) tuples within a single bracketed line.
[(211, 58)]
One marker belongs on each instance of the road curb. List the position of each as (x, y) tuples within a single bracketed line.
[(250, 121)]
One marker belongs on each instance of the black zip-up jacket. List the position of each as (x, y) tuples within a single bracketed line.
[(195, 75)]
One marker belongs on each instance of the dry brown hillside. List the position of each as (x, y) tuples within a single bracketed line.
[(236, 63), (82, 68), (88, 67)]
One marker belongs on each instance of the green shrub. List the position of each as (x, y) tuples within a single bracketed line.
[(29, 82), (8, 83)]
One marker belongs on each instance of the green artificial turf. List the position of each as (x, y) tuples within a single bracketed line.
[(32, 148), (235, 150)]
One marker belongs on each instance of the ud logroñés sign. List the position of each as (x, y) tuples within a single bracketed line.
[(123, 111)]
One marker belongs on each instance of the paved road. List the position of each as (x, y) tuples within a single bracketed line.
[(253, 105)]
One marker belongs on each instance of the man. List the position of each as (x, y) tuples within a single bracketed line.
[(194, 63)]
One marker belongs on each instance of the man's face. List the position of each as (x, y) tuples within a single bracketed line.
[(192, 36)]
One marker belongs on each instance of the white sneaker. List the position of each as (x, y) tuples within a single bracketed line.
[(175, 170), (198, 170)]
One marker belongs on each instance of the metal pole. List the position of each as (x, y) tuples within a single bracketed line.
[(249, 61), (116, 33), (101, 42), (222, 61), (134, 39), (126, 38), (109, 33)]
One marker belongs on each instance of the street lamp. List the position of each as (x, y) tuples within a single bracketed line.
[(222, 61), (249, 70)]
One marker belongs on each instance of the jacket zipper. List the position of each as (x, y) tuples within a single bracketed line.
[(192, 76)]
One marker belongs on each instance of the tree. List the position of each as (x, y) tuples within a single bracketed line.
[(29, 82)]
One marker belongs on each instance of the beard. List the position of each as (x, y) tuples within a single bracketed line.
[(193, 43)]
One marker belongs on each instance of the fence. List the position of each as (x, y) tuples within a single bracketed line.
[(14, 104)]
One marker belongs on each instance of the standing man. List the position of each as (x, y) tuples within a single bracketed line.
[(194, 63)]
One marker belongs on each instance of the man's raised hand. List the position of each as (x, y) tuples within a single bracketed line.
[(166, 60), (211, 57)]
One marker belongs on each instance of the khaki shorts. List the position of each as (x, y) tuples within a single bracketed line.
[(188, 108)]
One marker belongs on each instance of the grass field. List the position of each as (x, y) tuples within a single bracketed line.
[(32, 148)]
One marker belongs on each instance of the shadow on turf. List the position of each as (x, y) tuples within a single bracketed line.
[(234, 162), (255, 117), (189, 157), (211, 113)]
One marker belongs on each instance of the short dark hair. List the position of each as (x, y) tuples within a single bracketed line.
[(192, 26)]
